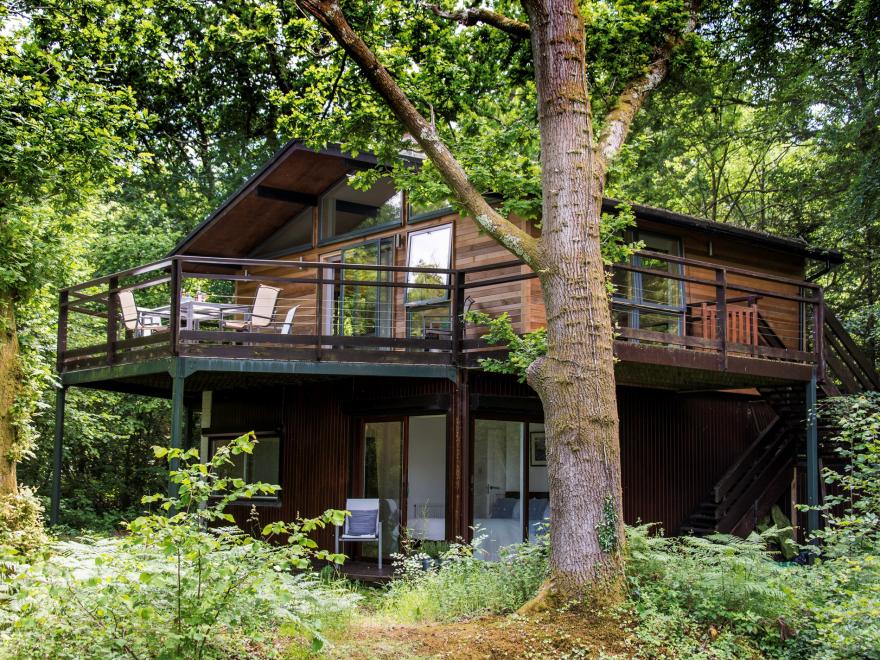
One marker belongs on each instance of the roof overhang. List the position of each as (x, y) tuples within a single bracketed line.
[(294, 179), (297, 176), (790, 245)]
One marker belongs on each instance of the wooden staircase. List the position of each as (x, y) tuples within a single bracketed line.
[(763, 473)]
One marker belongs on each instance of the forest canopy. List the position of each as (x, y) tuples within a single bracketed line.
[(125, 123)]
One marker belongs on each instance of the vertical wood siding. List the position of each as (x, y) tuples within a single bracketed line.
[(674, 447)]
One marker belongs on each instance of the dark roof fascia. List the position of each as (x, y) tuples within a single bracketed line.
[(791, 245), (365, 159)]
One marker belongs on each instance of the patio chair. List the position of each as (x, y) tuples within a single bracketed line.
[(287, 326), (363, 525), (262, 312), (137, 320)]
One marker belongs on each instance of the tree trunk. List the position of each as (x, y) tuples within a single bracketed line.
[(575, 380), (9, 379)]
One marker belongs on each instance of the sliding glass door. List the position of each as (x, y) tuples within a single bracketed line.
[(404, 467), (509, 459), (383, 478)]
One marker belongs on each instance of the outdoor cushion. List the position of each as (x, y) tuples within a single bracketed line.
[(362, 523), (538, 508), (503, 507)]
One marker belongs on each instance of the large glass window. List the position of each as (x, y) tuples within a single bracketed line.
[(428, 248), (647, 301), (362, 310), (260, 466), (497, 484), (425, 210), (347, 211), (383, 465), (426, 477)]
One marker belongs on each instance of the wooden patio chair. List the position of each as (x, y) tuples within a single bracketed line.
[(136, 320), (362, 526), (742, 323), (261, 314)]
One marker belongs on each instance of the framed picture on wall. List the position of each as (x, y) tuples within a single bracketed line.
[(537, 449)]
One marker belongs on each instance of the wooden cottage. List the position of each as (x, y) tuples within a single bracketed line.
[(331, 321)]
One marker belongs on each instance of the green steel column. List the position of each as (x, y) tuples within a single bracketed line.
[(812, 458), (60, 400), (177, 383)]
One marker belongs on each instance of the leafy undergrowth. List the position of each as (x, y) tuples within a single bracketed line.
[(564, 635)]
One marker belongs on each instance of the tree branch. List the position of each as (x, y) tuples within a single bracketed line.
[(476, 15), (619, 119), (517, 241)]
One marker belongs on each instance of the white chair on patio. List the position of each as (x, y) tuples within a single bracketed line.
[(287, 326), (137, 320), (261, 314), (363, 525)]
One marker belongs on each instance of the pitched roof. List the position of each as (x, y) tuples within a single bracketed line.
[(296, 176)]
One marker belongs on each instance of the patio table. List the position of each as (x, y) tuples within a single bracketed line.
[(193, 312)]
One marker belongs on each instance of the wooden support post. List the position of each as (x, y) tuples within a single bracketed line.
[(60, 400), (812, 458), (177, 385), (458, 520)]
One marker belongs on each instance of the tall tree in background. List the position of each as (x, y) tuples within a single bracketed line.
[(63, 137), (778, 131), (575, 380)]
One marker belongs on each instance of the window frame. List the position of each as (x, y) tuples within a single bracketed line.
[(634, 307), (261, 500), (323, 241), (445, 297)]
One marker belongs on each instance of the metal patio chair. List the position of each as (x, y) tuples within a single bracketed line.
[(261, 314), (136, 320), (363, 525)]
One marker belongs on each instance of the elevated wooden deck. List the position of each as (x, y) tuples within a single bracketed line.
[(681, 323)]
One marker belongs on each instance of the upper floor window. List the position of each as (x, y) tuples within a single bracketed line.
[(346, 211), (428, 248), (649, 301), (427, 210)]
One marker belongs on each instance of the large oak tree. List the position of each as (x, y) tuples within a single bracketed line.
[(575, 380)]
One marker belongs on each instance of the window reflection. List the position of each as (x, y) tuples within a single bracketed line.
[(429, 248), (346, 210)]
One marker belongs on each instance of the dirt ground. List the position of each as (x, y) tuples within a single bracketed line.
[(563, 635)]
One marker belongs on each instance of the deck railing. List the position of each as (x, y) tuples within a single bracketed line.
[(368, 312)]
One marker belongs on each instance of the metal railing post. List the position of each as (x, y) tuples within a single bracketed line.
[(112, 318), (457, 277), (819, 333), (63, 314), (174, 320), (721, 313)]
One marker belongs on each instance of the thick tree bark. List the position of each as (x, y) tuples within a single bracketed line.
[(575, 380), (9, 378)]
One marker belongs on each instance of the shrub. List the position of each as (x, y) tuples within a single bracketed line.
[(688, 592), (175, 586), (462, 585), (21, 522)]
